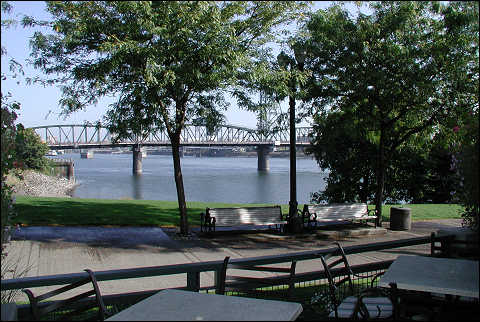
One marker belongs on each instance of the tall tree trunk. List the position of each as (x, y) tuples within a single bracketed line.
[(380, 178), (182, 205)]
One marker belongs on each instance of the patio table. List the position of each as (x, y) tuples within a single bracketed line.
[(176, 305), (436, 275)]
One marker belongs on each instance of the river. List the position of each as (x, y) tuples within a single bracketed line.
[(207, 179)]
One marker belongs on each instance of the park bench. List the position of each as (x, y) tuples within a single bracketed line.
[(251, 216), (337, 212)]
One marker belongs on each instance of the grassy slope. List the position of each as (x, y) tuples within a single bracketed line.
[(107, 212)]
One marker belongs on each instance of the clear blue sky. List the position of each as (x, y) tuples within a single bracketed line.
[(39, 105)]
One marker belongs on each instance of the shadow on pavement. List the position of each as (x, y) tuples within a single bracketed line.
[(167, 239)]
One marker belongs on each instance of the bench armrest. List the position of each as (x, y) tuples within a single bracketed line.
[(307, 217), (372, 212), (287, 216), (206, 221)]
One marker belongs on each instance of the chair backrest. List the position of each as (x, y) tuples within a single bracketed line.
[(331, 262), (79, 303), (246, 283), (378, 303), (450, 247), (437, 246)]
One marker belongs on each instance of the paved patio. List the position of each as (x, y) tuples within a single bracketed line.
[(60, 250)]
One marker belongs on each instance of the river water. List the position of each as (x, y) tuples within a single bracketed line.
[(207, 179)]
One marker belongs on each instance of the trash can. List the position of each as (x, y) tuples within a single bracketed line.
[(400, 218)]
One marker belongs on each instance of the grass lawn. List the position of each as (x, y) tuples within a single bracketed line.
[(44, 211)]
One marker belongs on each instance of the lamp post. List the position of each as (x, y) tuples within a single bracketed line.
[(298, 64)]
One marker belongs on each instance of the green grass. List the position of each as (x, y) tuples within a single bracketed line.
[(38, 211), (426, 211), (108, 212)]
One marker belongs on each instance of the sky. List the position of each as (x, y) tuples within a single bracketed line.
[(39, 105)]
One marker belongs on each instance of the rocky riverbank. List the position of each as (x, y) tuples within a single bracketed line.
[(36, 184)]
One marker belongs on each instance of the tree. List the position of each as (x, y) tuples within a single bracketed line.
[(400, 72), (416, 174), (29, 149), (340, 146), (169, 62)]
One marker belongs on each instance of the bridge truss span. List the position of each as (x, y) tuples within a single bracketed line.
[(93, 136)]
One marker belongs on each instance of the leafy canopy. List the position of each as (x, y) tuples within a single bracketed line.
[(156, 56), (401, 74)]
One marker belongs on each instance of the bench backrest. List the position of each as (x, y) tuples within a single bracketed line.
[(248, 215), (338, 211)]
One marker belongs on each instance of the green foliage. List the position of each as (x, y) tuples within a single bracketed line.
[(399, 83), (465, 162), (8, 163), (421, 174), (468, 191), (72, 211), (339, 146), (29, 149), (416, 174)]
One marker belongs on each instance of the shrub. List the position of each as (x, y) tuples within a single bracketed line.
[(29, 149)]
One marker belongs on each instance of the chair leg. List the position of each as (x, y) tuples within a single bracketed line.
[(33, 304), (98, 297), (220, 289)]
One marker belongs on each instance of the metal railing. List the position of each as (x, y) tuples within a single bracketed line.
[(193, 270)]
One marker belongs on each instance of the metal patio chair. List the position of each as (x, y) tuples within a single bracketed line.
[(248, 284), (78, 303), (370, 303)]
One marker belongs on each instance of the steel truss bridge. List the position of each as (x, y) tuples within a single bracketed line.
[(91, 136)]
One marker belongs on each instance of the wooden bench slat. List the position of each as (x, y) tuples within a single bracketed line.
[(268, 215), (334, 212)]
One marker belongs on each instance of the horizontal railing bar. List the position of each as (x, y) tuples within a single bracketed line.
[(60, 279), (133, 297)]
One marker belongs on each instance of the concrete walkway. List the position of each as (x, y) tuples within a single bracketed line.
[(60, 250)]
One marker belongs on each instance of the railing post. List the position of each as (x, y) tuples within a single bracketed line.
[(193, 281)]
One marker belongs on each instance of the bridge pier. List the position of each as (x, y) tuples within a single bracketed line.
[(87, 154), (137, 159), (263, 158), (70, 171)]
